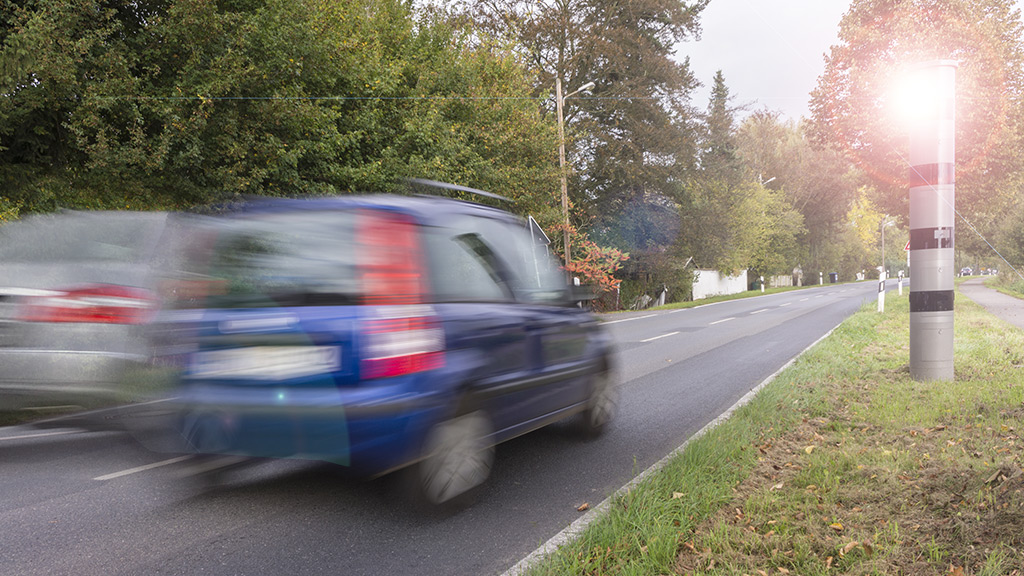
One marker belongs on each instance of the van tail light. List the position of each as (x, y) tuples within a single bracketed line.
[(403, 336), (390, 260), (410, 340), (100, 303)]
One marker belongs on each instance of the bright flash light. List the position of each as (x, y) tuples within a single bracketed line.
[(921, 94), (916, 96)]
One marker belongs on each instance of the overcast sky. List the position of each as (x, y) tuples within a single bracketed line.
[(771, 52)]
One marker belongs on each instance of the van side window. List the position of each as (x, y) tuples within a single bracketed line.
[(462, 268), (534, 275)]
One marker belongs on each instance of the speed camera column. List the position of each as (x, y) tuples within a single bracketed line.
[(932, 219)]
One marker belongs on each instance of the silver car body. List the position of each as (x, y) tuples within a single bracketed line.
[(68, 262)]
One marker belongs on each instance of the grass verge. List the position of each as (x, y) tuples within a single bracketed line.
[(842, 465)]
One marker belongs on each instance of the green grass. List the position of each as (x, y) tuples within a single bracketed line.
[(842, 465)]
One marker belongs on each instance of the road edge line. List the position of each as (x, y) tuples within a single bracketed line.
[(580, 524)]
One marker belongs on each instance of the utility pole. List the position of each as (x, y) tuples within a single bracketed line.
[(559, 101)]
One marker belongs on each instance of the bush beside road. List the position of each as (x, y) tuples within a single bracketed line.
[(841, 465)]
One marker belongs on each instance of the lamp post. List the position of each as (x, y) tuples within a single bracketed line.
[(885, 222), (559, 101)]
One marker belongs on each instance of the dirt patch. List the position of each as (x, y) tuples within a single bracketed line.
[(842, 497)]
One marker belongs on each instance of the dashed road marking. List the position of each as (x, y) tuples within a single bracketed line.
[(40, 435), (142, 468), (628, 319), (660, 337)]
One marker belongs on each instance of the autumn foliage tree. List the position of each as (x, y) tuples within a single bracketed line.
[(880, 41)]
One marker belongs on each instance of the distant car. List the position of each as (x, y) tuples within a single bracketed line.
[(383, 333), (76, 289), (966, 271)]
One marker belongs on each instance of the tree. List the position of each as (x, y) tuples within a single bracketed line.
[(710, 231), (819, 182), (719, 159), (879, 41), (165, 104), (634, 136)]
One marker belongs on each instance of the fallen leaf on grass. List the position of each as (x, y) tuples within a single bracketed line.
[(584, 506), (776, 487), (782, 570), (849, 547), (836, 526), (828, 563), (868, 549), (955, 571), (677, 495), (809, 449)]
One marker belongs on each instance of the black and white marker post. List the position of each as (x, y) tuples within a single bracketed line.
[(932, 156)]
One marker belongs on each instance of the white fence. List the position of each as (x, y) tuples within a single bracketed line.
[(711, 283)]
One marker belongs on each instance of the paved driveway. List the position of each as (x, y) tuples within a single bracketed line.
[(1006, 307)]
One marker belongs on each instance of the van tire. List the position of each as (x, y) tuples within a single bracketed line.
[(602, 405), (456, 460)]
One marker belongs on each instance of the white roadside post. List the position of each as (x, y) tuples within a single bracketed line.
[(762, 284), (881, 291), (932, 196)]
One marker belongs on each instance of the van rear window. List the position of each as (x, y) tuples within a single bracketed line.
[(289, 259)]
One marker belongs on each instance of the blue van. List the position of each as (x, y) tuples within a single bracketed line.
[(381, 333)]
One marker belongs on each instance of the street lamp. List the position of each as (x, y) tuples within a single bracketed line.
[(559, 101), (885, 222)]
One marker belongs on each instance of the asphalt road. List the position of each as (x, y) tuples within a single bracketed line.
[(84, 503)]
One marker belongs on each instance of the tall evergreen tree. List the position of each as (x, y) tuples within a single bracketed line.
[(718, 157)]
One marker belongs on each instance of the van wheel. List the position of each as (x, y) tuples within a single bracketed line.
[(601, 405), (457, 459)]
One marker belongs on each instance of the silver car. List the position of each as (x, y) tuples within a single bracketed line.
[(76, 291)]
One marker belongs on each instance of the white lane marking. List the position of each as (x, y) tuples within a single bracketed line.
[(142, 468), (678, 310), (759, 311), (722, 320), (659, 337), (599, 511), (42, 434), (786, 304), (804, 299), (819, 296), (628, 319)]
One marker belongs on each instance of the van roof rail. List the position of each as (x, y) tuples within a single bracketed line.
[(447, 186)]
